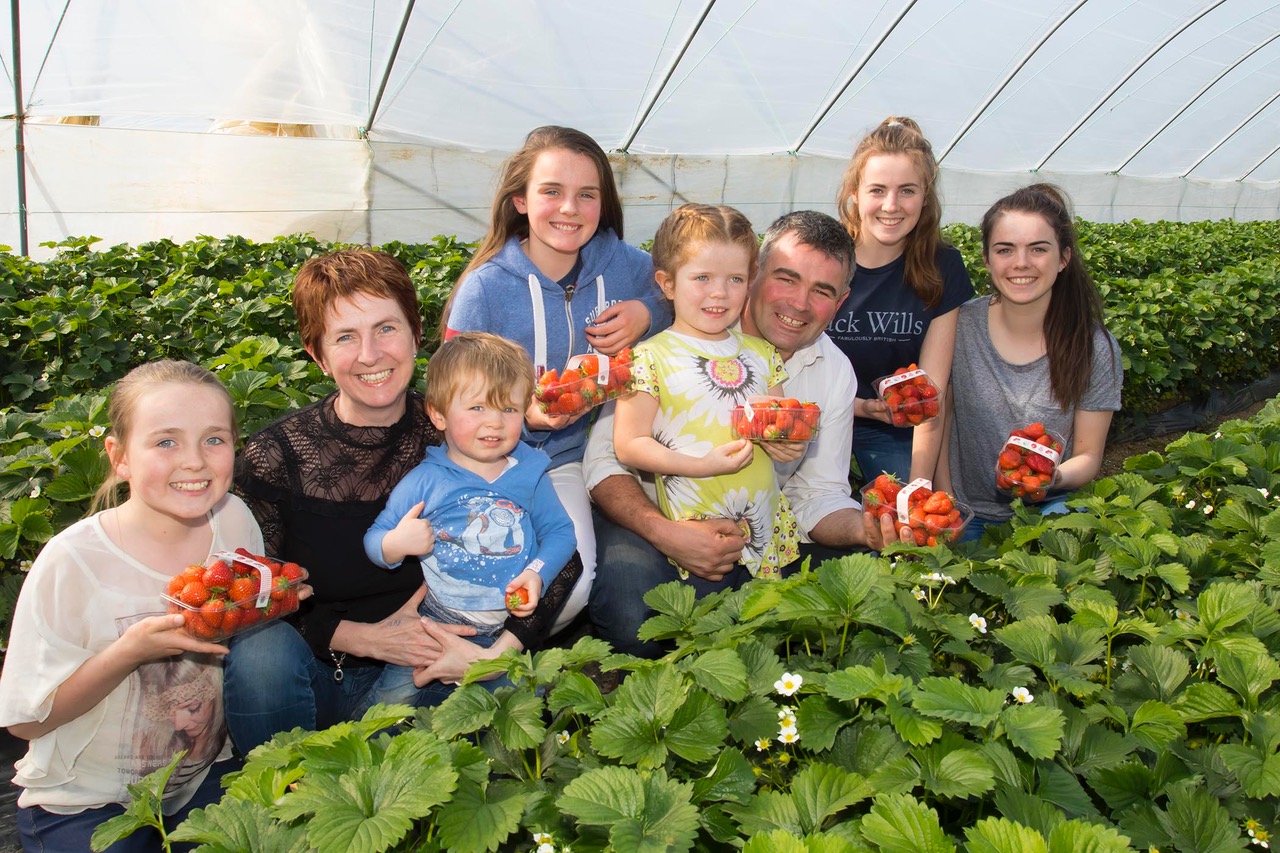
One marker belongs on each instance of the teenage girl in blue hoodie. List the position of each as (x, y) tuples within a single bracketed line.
[(554, 275)]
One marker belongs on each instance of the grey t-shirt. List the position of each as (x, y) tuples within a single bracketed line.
[(992, 397)]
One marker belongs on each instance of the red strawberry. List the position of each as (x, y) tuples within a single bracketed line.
[(518, 598), (1038, 463), (176, 583), (292, 571), (218, 575), (811, 414), (194, 593), (280, 586), (243, 589), (212, 611)]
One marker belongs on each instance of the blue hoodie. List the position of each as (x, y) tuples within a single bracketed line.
[(496, 298), (486, 533)]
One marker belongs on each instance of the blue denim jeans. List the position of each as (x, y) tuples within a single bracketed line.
[(272, 683), (880, 450), (626, 568), (46, 832)]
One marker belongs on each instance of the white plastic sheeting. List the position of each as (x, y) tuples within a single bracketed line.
[(1140, 108)]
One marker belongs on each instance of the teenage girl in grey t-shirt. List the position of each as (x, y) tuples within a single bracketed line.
[(1035, 351)]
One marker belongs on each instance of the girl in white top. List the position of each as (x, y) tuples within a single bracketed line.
[(104, 684)]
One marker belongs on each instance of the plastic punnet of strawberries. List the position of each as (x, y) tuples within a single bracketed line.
[(775, 419), (586, 381), (1028, 463), (935, 517), (234, 590), (910, 394)]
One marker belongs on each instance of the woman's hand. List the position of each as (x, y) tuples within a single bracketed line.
[(401, 638), (455, 657), (159, 637), (618, 326), (876, 410)]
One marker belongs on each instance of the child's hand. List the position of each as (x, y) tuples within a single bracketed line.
[(536, 419), (783, 452), (618, 326), (728, 458), (159, 637), (530, 583), (412, 535)]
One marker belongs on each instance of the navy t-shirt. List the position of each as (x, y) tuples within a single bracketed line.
[(882, 324)]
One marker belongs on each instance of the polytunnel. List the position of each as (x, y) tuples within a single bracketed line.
[(371, 121)]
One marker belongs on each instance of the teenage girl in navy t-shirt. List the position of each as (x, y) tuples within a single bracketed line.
[(905, 294)]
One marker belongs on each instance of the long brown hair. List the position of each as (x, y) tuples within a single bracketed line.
[(124, 403), (506, 222), (1075, 306), (901, 135)]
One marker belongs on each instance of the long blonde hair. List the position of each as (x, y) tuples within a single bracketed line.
[(901, 135), (124, 403)]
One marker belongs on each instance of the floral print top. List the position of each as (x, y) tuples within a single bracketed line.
[(697, 383)]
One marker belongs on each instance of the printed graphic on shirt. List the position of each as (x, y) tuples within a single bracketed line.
[(493, 528), (876, 326), (174, 705)]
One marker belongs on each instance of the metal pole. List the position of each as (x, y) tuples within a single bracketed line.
[(19, 145), (386, 71)]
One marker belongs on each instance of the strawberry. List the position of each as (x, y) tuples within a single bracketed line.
[(811, 414), (194, 594), (800, 431), (176, 583), (292, 571), (1024, 472), (517, 598), (231, 620), (243, 589), (218, 575), (280, 586), (212, 611)]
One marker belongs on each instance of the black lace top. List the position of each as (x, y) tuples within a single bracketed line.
[(316, 484)]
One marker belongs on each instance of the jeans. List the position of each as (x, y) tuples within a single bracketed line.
[(627, 567), (272, 683), (887, 449), (45, 832)]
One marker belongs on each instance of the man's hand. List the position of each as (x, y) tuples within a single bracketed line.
[(708, 548)]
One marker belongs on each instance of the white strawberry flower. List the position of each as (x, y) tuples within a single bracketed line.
[(65, 432), (788, 684), (1022, 695), (1208, 510), (978, 623), (1191, 504), (789, 737), (542, 838), (562, 738), (1264, 492), (97, 431), (762, 745), (920, 594), (546, 848), (787, 729)]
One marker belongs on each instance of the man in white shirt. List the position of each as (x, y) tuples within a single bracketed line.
[(806, 261)]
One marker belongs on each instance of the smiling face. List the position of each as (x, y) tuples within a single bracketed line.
[(480, 434), (889, 200), (796, 293), (368, 347), (180, 450), (708, 290), (1024, 258), (562, 202)]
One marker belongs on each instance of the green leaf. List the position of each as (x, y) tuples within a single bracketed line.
[(756, 717), (899, 823), (730, 778), (1197, 821), (911, 725), (697, 730), (1030, 640), (1224, 604), (467, 709), (821, 790), (625, 734), (1249, 673), (862, 682), (1259, 773), (1155, 724), (650, 813), (674, 599), (819, 718), (1034, 729), (720, 672), (997, 835), (1164, 667), (848, 580), (1204, 701), (518, 719), (234, 824), (768, 811), (578, 693), (482, 817), (760, 598), (1075, 836), (958, 773), (952, 699)]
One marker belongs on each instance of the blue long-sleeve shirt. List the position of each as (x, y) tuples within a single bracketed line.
[(486, 533)]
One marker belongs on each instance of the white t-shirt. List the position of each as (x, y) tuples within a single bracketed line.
[(82, 593)]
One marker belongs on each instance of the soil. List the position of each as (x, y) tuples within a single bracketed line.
[(1113, 459)]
